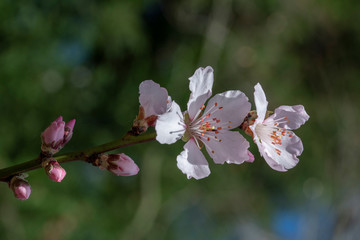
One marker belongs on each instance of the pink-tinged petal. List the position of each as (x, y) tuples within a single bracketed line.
[(200, 86), (70, 125), (122, 165), (282, 157), (170, 125), (54, 133), (59, 119), (192, 162), (22, 192), (227, 146), (251, 157), (68, 133), (289, 117), (227, 110), (153, 98), (260, 102)]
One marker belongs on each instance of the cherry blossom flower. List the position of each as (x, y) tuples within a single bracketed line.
[(154, 101), (206, 126), (279, 146)]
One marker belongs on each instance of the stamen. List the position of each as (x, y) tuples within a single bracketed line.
[(177, 131), (279, 121), (197, 143), (208, 111), (278, 151)]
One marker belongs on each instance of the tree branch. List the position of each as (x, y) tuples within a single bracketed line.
[(83, 155)]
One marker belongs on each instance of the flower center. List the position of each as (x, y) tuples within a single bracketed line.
[(205, 126), (271, 134)]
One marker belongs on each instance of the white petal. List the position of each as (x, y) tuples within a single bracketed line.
[(286, 156), (230, 147), (289, 117), (169, 126), (228, 108), (192, 162), (260, 102), (153, 98), (200, 86)]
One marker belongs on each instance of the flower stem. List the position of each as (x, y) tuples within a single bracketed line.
[(83, 155)]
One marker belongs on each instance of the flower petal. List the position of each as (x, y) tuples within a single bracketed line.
[(289, 117), (153, 98), (282, 157), (228, 109), (54, 133), (170, 125), (226, 146), (192, 162), (260, 102), (200, 86), (168, 103), (251, 157)]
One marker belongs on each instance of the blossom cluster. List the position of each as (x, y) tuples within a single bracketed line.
[(54, 138), (213, 126), (209, 122)]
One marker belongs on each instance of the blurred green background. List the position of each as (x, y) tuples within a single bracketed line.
[(86, 59)]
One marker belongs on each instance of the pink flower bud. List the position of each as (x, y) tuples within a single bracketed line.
[(20, 187), (121, 165), (54, 170), (56, 136)]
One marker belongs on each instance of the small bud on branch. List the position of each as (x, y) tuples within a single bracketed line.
[(20, 187)]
